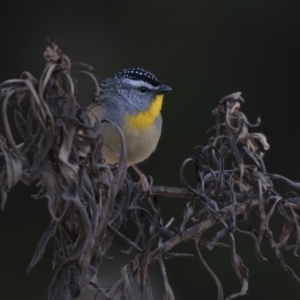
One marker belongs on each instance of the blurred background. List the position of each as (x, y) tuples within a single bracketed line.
[(204, 50)]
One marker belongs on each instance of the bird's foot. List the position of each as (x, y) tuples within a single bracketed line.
[(145, 187)]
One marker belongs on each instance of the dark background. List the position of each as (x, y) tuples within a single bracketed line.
[(204, 50)]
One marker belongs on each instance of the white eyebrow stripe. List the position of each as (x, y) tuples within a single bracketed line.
[(140, 83)]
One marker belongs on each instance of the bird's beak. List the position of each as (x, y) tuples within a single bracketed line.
[(163, 89)]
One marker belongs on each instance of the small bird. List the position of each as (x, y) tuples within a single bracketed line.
[(132, 98)]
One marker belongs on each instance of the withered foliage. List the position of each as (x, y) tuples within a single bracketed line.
[(90, 202)]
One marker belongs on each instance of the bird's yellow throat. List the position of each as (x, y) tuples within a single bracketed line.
[(146, 118)]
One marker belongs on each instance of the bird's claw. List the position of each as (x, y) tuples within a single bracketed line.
[(145, 187)]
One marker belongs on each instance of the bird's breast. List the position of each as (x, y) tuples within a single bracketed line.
[(141, 132), (140, 143), (146, 118)]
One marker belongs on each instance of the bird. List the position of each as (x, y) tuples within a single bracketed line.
[(132, 98)]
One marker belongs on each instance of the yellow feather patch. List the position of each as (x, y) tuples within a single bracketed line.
[(146, 118)]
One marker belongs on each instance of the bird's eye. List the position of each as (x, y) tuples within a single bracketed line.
[(143, 89)]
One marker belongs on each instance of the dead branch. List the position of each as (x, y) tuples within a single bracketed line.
[(90, 202)]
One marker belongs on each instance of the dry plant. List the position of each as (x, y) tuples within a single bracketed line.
[(90, 201)]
